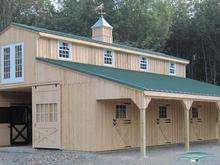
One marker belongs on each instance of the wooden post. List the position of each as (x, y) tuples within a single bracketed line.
[(143, 131), (143, 103), (218, 109), (186, 105)]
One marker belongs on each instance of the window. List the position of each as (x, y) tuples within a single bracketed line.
[(121, 111), (143, 63), (46, 112), (12, 63), (18, 61), (172, 68), (108, 57), (195, 113), (6, 61), (64, 50), (162, 112)]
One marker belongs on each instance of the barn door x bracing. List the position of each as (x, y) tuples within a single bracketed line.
[(122, 126), (164, 124), (20, 126), (46, 116), (195, 124)]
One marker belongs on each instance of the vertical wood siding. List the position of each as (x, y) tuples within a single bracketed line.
[(92, 55), (87, 124), (15, 35)]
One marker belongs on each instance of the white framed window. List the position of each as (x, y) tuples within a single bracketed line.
[(143, 62), (65, 51), (108, 57), (12, 63), (6, 62), (172, 68), (18, 61)]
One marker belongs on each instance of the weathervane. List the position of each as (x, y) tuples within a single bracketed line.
[(100, 9)]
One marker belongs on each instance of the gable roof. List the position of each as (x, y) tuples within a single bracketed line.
[(141, 80), (72, 36), (101, 22)]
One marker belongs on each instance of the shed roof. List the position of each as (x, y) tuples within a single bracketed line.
[(101, 22), (43, 30), (141, 80)]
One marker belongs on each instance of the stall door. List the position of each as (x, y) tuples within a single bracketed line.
[(20, 126), (164, 125), (46, 117), (122, 126), (195, 124)]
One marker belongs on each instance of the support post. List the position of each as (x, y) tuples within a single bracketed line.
[(218, 109), (142, 104), (143, 132), (186, 105)]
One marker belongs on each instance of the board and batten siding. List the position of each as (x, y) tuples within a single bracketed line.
[(14, 35), (48, 48), (87, 123)]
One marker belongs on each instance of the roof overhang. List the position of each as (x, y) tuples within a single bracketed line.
[(180, 96)]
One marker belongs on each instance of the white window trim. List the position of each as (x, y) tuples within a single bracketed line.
[(172, 74), (145, 70), (58, 49), (12, 79), (113, 57)]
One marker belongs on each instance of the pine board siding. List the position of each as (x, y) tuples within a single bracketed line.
[(29, 39), (48, 48), (88, 125)]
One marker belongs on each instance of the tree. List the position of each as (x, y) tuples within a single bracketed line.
[(6, 12), (143, 23)]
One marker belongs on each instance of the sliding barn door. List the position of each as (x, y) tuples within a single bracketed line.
[(46, 117)]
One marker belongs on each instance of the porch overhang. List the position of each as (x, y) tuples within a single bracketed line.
[(180, 96)]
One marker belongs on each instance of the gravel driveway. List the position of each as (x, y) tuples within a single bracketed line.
[(159, 156)]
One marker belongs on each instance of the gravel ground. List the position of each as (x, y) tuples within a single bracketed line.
[(159, 156)]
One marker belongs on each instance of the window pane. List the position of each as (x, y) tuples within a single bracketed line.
[(162, 112), (195, 113), (46, 112), (7, 62), (143, 63), (121, 111), (108, 57), (172, 68), (64, 50), (18, 61)]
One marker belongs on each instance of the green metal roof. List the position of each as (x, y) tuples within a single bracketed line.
[(141, 80), (37, 29)]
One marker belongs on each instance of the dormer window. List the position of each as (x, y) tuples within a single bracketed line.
[(143, 61), (172, 68), (108, 57), (64, 50)]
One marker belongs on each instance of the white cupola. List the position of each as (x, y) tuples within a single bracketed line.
[(102, 30)]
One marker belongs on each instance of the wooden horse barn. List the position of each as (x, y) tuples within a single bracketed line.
[(62, 91)]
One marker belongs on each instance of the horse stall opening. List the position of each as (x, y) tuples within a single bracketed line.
[(15, 117)]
